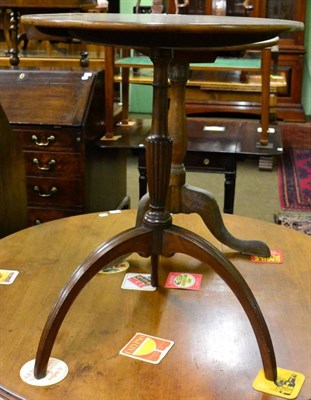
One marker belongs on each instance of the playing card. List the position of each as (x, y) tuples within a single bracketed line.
[(182, 280), (7, 277), (287, 385), (147, 348), (115, 268), (137, 281), (275, 258)]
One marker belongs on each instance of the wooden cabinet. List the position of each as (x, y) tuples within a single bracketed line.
[(58, 116), (13, 214), (290, 55)]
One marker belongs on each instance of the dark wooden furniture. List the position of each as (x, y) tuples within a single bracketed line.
[(262, 88), (13, 209), (214, 146), (290, 57), (155, 234), (212, 149), (20, 7), (4, 27), (214, 355), (57, 115)]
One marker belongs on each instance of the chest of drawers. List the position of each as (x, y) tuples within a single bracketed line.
[(57, 116)]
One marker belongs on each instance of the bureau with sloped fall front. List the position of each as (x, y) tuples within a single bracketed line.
[(57, 116)]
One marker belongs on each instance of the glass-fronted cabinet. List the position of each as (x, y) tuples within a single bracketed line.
[(291, 45)]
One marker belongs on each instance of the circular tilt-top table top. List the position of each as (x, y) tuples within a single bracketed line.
[(161, 30)]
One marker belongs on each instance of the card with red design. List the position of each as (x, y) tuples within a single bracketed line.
[(183, 280), (275, 258), (147, 348), (137, 281)]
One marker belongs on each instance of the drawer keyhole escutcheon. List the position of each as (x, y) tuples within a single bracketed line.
[(46, 167), (51, 192), (48, 140)]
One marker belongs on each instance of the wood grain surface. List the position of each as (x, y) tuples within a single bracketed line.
[(215, 355)]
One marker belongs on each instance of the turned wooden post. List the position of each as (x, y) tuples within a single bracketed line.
[(157, 7), (265, 95), (158, 143)]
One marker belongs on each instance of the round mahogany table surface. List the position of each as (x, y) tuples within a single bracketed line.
[(215, 355), (161, 30)]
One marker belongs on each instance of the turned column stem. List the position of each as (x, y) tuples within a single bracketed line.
[(158, 143), (177, 126)]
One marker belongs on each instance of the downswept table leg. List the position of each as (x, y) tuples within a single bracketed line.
[(134, 240), (203, 203), (207, 207), (145, 240), (180, 240)]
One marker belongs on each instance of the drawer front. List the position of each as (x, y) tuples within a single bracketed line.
[(205, 161), (50, 139), (53, 163), (54, 192), (38, 215)]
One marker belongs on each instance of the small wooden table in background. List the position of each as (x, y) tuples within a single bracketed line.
[(215, 355), (213, 146), (33, 6)]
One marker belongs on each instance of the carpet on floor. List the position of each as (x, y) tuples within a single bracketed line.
[(294, 169), (291, 220)]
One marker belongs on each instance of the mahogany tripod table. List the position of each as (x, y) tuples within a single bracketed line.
[(166, 39)]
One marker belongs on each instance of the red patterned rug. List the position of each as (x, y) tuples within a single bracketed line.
[(294, 170)]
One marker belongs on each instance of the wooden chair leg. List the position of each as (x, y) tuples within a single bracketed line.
[(125, 89), (109, 82), (265, 95)]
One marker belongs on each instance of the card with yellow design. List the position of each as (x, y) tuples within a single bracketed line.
[(276, 257), (288, 385), (7, 277), (147, 348)]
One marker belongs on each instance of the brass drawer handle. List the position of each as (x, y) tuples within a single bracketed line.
[(48, 140), (44, 168), (52, 191), (206, 161)]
